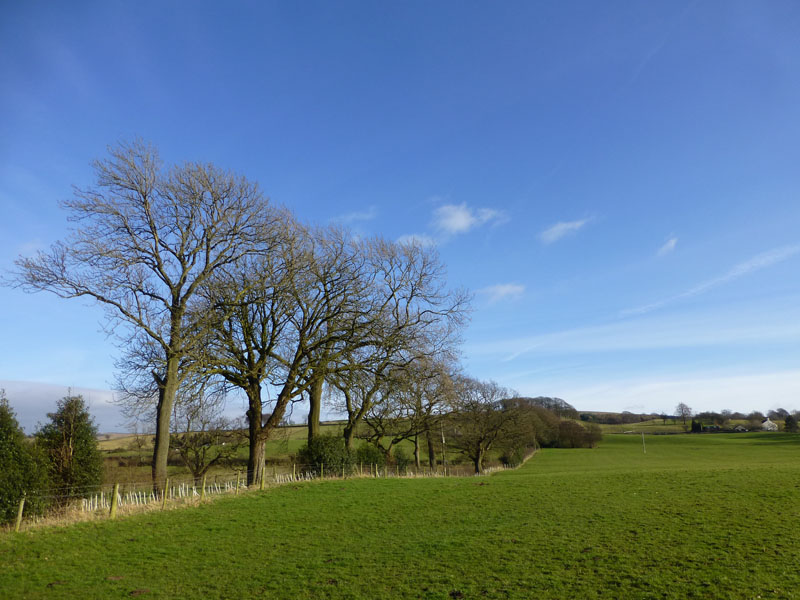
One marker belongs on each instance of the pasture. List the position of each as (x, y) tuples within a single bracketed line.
[(697, 516)]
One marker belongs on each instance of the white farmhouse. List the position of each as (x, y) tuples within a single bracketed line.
[(769, 425)]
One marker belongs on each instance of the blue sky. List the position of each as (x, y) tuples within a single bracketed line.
[(616, 182)]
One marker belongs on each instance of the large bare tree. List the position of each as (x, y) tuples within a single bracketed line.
[(146, 239), (479, 419), (408, 315)]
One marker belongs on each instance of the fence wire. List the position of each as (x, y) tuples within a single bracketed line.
[(68, 502)]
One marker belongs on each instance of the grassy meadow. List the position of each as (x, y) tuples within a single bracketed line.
[(697, 516)]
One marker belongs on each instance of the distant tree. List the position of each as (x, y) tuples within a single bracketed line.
[(790, 424), (69, 441), (575, 435), (558, 406), (754, 420), (778, 414), (683, 412), (479, 421), (24, 471), (697, 426), (202, 436)]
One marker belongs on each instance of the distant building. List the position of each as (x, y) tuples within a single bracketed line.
[(741, 428), (769, 425)]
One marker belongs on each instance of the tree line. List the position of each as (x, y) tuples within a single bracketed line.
[(208, 286)]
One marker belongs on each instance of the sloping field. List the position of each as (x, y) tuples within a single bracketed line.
[(705, 516)]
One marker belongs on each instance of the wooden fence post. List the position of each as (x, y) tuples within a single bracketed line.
[(238, 479), (19, 513), (294, 471), (203, 491), (322, 470), (164, 494), (113, 512)]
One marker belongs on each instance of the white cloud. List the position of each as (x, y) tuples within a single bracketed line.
[(459, 218), (495, 293), (668, 246), (559, 230), (419, 239), (758, 262), (356, 216)]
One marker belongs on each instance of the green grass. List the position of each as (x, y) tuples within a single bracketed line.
[(709, 516)]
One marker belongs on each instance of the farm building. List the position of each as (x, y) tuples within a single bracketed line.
[(769, 425)]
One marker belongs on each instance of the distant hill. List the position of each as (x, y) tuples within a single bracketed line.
[(560, 407)]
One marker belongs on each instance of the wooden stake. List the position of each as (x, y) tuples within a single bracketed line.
[(113, 512), (164, 494), (19, 513), (203, 490), (238, 476), (322, 470)]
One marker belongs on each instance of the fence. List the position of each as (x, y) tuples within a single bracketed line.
[(76, 504)]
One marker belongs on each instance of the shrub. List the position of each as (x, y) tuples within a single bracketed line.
[(401, 459), (326, 451), (513, 457), (23, 468), (368, 454)]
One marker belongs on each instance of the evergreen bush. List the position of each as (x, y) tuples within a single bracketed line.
[(23, 470), (69, 441), (328, 452)]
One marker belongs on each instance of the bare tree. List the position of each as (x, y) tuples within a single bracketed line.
[(410, 404), (202, 436), (407, 315), (303, 301), (145, 240), (683, 412), (479, 420)]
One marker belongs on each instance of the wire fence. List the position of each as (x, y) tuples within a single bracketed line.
[(70, 503)]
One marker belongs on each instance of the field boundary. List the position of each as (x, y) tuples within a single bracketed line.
[(102, 505)]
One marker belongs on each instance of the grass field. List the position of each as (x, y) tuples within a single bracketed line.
[(704, 516)]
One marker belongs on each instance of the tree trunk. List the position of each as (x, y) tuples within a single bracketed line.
[(314, 406), (479, 461), (431, 450), (349, 433), (167, 388), (416, 451), (256, 438)]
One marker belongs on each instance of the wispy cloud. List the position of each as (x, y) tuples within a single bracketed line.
[(758, 262), (668, 246), (725, 390), (741, 325), (561, 229), (357, 216), (460, 218), (502, 291), (419, 239)]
